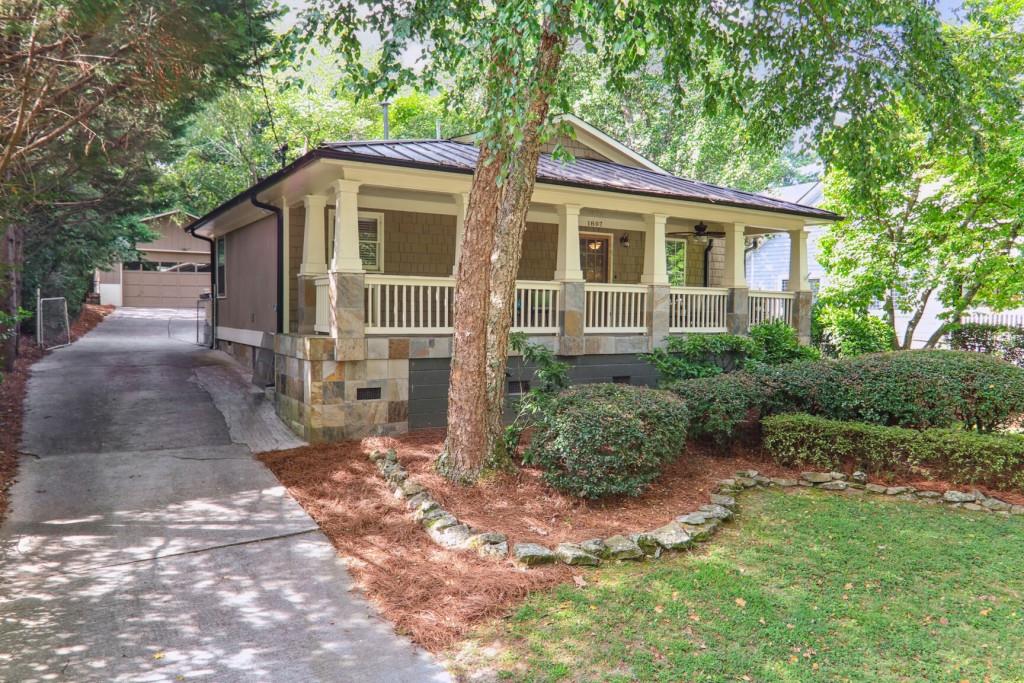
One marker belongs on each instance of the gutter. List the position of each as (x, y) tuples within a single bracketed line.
[(707, 259), (279, 214), (213, 285)]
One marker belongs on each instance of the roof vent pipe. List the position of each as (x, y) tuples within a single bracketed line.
[(437, 128), (384, 107)]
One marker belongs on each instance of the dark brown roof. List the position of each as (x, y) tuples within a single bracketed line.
[(459, 157)]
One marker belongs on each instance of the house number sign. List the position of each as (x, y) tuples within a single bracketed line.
[(591, 223)]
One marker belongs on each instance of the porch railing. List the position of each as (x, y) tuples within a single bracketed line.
[(615, 308), (425, 305), (322, 322), (697, 309), (769, 306)]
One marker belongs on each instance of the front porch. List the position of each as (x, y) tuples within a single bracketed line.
[(584, 271), (370, 288)]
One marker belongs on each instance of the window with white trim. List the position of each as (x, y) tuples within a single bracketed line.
[(371, 240), (675, 253)]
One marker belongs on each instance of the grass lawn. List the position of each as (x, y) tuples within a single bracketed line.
[(804, 586)]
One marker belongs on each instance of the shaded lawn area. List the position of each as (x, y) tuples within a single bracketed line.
[(804, 586)]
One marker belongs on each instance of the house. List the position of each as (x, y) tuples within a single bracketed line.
[(334, 276), (767, 258), (173, 272), (767, 267)]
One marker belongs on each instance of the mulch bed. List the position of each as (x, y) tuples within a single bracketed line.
[(435, 595), (527, 510), (12, 396)]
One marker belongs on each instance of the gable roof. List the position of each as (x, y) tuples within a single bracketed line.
[(808, 194), (596, 139), (459, 157)]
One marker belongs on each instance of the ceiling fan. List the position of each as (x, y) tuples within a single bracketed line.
[(700, 230)]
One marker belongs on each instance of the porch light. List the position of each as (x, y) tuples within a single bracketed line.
[(624, 240), (594, 245)]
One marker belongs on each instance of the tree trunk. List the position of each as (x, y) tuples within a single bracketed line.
[(10, 290), (915, 320), (465, 448), (480, 341)]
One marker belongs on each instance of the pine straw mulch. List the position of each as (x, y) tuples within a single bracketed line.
[(435, 595), (12, 396), (522, 506)]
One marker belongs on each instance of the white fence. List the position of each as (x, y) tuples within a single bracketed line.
[(770, 306), (322, 323), (425, 305), (1015, 319), (615, 308), (697, 309)]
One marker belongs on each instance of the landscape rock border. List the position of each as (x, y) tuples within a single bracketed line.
[(683, 532)]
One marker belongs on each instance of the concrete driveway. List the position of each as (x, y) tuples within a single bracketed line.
[(145, 543)]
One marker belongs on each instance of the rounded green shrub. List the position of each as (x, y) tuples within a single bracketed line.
[(599, 440), (719, 405)]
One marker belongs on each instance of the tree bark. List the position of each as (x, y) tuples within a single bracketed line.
[(465, 448), (508, 239), (10, 286), (485, 288)]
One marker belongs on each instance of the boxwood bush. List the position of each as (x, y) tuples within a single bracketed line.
[(951, 454), (719, 405), (915, 389), (599, 440)]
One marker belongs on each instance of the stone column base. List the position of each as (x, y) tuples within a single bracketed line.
[(737, 317), (801, 315)]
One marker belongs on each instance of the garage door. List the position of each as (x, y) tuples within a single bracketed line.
[(163, 289)]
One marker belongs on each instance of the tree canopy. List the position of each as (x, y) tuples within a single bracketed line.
[(935, 213), (783, 65), (89, 93)]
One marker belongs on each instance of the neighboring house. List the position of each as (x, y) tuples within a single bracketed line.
[(334, 276), (767, 260), (173, 272), (767, 268)]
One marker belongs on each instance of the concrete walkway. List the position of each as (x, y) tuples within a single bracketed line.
[(145, 543)]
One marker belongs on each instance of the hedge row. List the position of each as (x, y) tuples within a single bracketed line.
[(916, 389), (959, 456)]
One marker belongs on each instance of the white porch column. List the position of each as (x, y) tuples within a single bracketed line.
[(346, 228), (313, 250), (567, 265), (798, 261), (800, 308), (461, 202), (735, 277), (655, 264)]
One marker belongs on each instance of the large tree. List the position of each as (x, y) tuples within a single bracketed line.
[(89, 88), (784, 64), (935, 216), (237, 138), (675, 129)]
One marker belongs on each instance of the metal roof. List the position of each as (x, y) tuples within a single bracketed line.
[(448, 155)]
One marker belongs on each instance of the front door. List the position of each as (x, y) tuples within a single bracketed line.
[(595, 258)]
